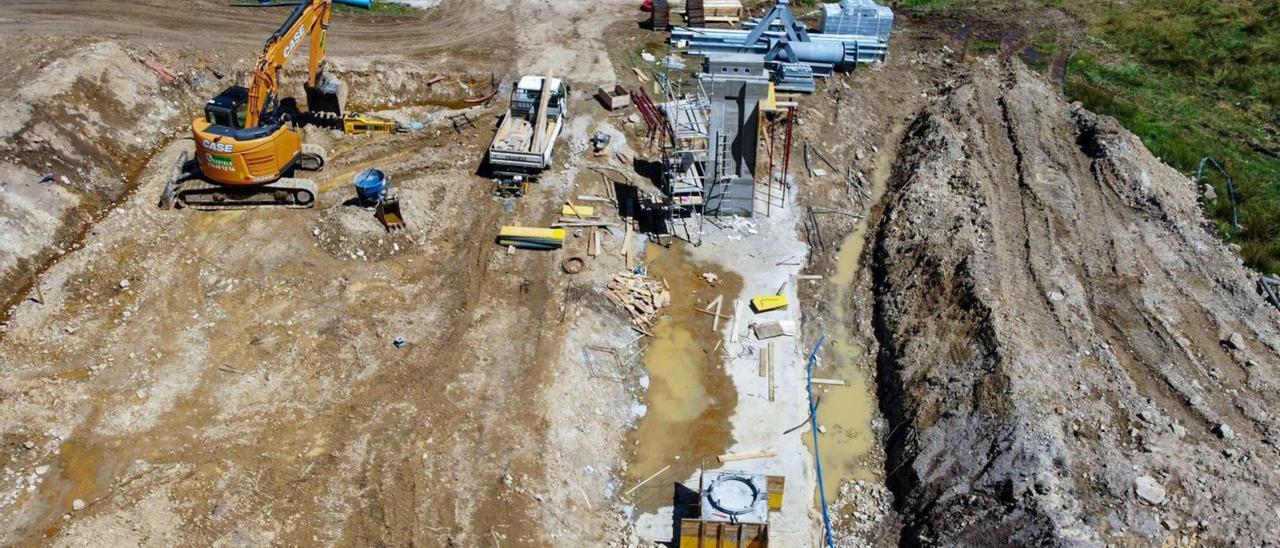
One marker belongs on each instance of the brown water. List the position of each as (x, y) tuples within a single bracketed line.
[(846, 411), (690, 395)]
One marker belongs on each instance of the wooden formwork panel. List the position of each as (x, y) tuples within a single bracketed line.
[(704, 534), (775, 486)]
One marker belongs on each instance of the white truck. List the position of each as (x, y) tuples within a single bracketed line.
[(526, 139)]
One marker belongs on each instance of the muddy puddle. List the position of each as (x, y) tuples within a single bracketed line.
[(846, 411), (690, 396)]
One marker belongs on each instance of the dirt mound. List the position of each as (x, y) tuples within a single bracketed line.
[(1067, 354), (80, 120)]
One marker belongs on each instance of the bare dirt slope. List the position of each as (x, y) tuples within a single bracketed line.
[(1067, 355), (84, 109)]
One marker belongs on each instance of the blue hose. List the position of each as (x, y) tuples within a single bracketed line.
[(817, 460)]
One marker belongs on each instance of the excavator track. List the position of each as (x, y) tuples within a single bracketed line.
[(286, 192)]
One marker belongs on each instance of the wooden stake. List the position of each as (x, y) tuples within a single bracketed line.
[(715, 321), (737, 313), (773, 355), (626, 248), (710, 312), (772, 386), (646, 480)]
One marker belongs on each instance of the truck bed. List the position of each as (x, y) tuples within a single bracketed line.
[(516, 135), (513, 145)]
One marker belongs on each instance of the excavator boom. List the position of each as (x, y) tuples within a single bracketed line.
[(310, 17)]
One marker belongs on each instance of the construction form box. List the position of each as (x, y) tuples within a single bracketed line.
[(614, 98), (858, 17), (733, 510), (735, 84)]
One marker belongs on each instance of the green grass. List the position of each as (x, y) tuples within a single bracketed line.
[(929, 4), (1192, 78), (378, 8), (1195, 79)]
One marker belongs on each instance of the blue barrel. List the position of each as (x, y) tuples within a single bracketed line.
[(369, 184), (357, 3)]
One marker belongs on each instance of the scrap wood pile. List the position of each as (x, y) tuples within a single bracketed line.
[(642, 296)]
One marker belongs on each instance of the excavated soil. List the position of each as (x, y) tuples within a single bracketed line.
[(1067, 354), (1055, 349)]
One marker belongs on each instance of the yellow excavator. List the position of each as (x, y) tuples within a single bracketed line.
[(247, 143)]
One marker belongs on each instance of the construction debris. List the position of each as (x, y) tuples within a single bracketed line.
[(581, 212), (614, 99), (1270, 288), (160, 70), (641, 296), (774, 328)]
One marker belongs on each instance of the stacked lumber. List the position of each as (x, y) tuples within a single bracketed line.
[(641, 296), (695, 13), (722, 9), (661, 15), (699, 12)]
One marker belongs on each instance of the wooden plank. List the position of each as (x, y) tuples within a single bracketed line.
[(764, 363), (626, 248), (752, 455), (540, 121), (570, 223), (646, 480), (715, 320), (710, 312), (773, 365), (833, 382), (775, 485), (574, 210), (737, 313)]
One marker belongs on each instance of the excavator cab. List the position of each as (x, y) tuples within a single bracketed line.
[(229, 108)]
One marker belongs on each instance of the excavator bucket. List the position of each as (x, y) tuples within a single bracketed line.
[(389, 211), (329, 95)]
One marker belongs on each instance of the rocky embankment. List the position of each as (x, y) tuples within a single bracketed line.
[(1068, 356)]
